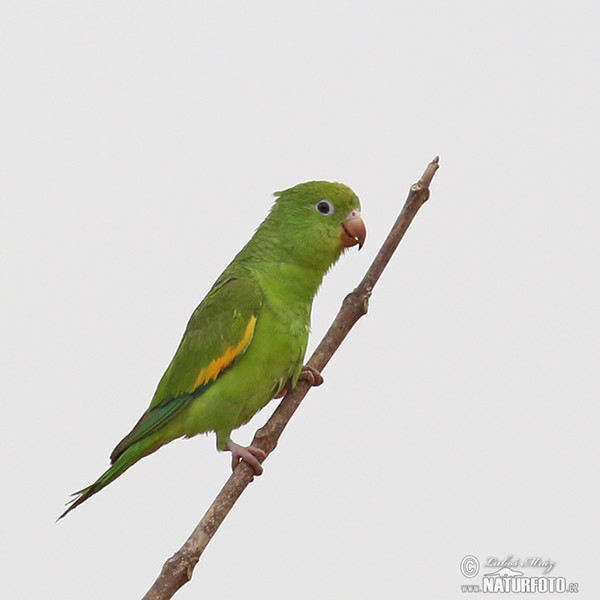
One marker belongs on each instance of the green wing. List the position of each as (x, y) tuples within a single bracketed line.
[(218, 333)]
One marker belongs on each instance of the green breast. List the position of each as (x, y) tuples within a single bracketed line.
[(274, 356)]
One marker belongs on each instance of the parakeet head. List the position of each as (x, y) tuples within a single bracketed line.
[(316, 221)]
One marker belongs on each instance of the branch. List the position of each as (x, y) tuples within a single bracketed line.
[(178, 569)]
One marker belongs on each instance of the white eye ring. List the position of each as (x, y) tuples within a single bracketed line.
[(324, 207)]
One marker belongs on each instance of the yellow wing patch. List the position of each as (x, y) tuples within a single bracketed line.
[(218, 364)]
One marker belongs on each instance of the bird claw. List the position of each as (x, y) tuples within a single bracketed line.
[(308, 374), (251, 454), (311, 375)]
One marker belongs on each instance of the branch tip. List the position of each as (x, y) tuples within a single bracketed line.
[(429, 172)]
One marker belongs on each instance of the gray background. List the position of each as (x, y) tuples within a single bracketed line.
[(141, 142)]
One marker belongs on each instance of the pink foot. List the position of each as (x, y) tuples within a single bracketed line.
[(311, 375), (252, 455)]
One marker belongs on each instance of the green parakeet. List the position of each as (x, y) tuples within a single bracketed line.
[(245, 343)]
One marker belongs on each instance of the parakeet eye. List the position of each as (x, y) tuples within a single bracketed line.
[(324, 207)]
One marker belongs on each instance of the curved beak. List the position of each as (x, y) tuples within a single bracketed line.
[(353, 230)]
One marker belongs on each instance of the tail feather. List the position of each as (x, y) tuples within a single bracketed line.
[(152, 421), (107, 477), (125, 460), (157, 426)]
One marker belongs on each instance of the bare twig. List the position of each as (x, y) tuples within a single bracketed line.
[(178, 569)]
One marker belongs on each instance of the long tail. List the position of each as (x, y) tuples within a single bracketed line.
[(127, 458), (119, 467), (156, 428)]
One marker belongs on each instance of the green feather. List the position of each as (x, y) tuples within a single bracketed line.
[(247, 339)]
